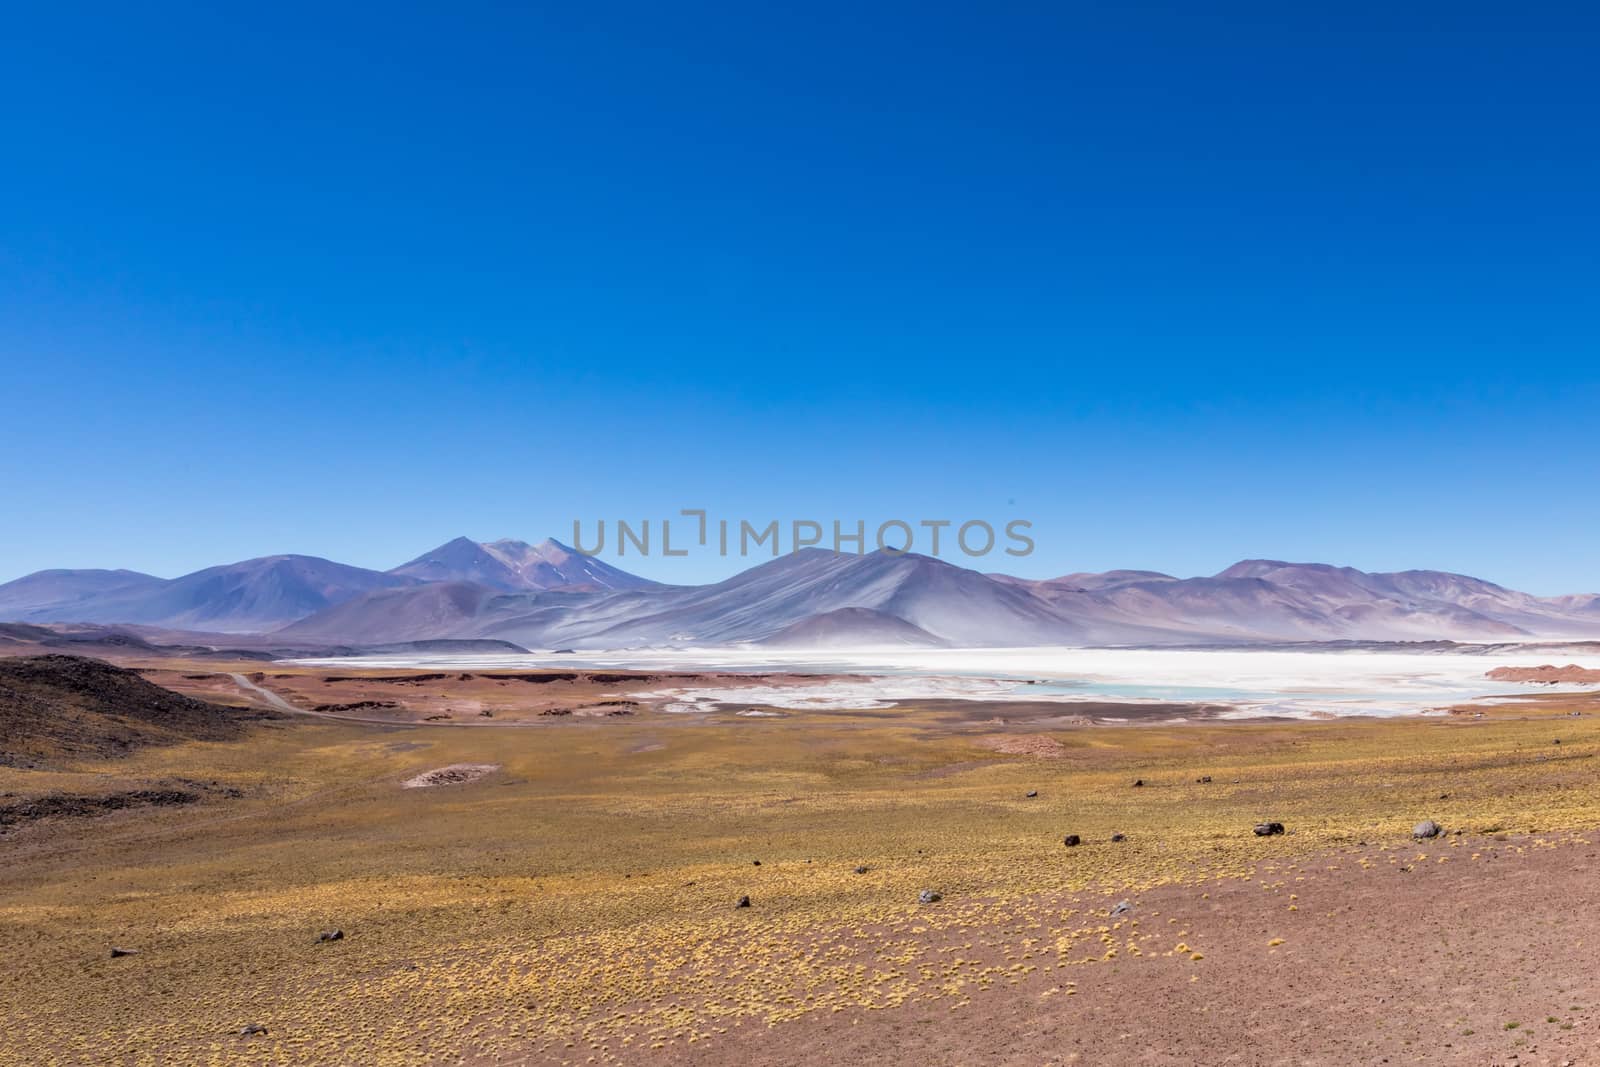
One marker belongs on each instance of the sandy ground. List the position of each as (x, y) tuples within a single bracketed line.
[(577, 905), (1476, 951)]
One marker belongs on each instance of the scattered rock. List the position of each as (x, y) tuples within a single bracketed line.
[(1204, 779), (755, 863), (928, 896), (744, 902), (1072, 840), (454, 774), (118, 953), (1138, 783), (861, 869), (252, 1029), (1122, 907), (1032, 793), (1119, 837), (1425, 829), (1267, 829), (331, 935)]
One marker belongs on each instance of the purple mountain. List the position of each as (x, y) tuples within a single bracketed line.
[(516, 566)]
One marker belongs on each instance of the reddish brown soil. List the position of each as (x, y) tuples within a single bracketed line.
[(1487, 961), (457, 698), (1546, 673)]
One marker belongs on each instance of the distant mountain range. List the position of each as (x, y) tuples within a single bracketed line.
[(547, 596)]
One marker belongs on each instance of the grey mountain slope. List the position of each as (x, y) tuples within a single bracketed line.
[(949, 603), (47, 595), (250, 596), (435, 610), (516, 566), (852, 628), (461, 560), (1110, 579), (1416, 602), (958, 606)]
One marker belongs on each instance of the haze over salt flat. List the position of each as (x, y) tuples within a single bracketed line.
[(1253, 682)]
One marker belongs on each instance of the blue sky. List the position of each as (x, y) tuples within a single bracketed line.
[(1177, 286)]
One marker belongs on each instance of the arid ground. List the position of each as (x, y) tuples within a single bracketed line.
[(562, 888)]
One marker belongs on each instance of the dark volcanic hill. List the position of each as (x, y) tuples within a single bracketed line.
[(69, 707)]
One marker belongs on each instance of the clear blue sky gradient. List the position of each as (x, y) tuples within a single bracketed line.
[(1179, 286)]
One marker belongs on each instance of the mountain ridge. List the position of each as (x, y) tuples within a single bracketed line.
[(548, 595)]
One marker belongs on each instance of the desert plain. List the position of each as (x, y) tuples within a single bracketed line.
[(528, 868)]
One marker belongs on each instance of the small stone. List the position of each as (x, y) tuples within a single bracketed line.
[(744, 902), (1204, 779), (928, 896), (1119, 837), (1072, 840), (1267, 829), (755, 863), (331, 935), (1425, 829), (1138, 783), (1122, 907), (861, 869), (252, 1029), (1032, 793), (118, 953)]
